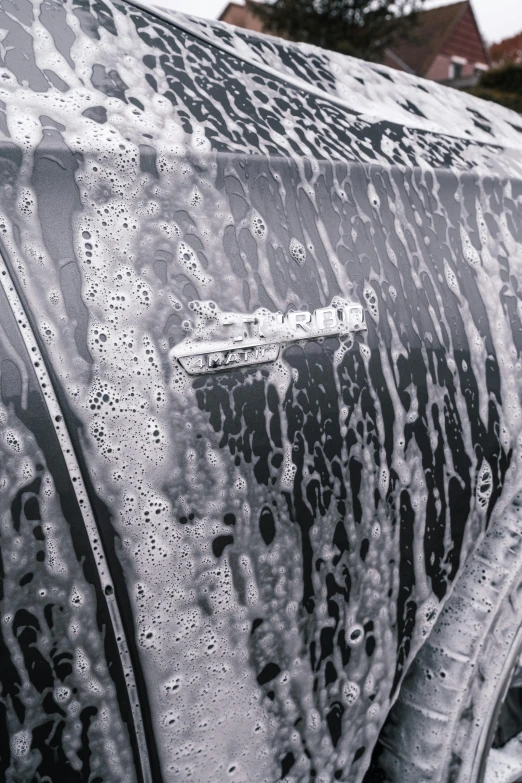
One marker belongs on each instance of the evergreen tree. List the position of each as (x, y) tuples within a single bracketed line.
[(501, 85), (362, 28)]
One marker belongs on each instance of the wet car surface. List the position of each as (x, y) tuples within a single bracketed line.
[(224, 577)]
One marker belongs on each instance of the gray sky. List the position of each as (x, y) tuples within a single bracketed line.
[(497, 18)]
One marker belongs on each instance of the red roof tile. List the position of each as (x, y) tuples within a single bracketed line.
[(433, 29)]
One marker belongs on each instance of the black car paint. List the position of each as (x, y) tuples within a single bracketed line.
[(421, 291)]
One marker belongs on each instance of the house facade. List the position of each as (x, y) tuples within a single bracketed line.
[(447, 45)]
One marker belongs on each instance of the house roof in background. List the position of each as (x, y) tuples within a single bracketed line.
[(433, 29), (240, 16)]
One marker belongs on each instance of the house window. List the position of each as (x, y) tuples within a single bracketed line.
[(480, 68), (456, 67), (455, 71)]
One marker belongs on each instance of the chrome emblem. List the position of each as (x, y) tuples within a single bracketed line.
[(222, 341)]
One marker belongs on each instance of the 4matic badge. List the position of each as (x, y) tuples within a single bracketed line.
[(221, 341)]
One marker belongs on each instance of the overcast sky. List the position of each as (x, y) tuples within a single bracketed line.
[(497, 18)]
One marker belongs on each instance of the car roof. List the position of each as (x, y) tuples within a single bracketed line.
[(107, 74), (374, 90)]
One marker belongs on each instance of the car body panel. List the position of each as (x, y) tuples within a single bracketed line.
[(62, 679), (285, 534)]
